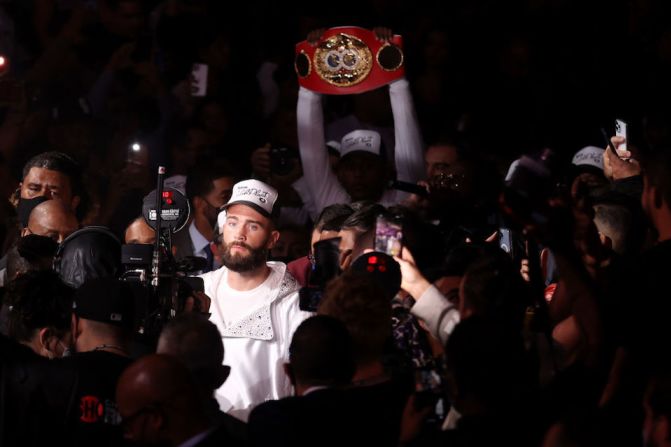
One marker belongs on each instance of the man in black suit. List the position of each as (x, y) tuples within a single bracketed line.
[(208, 188), (196, 342), (328, 409), (160, 405), (321, 362)]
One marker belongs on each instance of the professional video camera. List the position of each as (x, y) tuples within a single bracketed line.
[(154, 268)]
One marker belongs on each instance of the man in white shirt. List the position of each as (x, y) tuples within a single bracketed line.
[(254, 302), (362, 172)]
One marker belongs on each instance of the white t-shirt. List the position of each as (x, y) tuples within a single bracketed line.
[(239, 303), (256, 328)]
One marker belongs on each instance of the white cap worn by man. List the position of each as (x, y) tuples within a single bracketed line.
[(590, 157), (361, 140), (254, 302)]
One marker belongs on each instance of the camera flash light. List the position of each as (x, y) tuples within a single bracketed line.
[(136, 147)]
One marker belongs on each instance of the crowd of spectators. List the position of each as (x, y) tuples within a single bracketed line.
[(526, 304)]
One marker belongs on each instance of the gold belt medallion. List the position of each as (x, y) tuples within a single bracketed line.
[(343, 60)]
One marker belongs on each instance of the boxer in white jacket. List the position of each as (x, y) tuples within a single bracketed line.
[(254, 302)]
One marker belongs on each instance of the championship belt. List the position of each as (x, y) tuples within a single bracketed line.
[(349, 60)]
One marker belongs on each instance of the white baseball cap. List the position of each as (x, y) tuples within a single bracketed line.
[(361, 140), (333, 144), (255, 194), (589, 156), (511, 170)]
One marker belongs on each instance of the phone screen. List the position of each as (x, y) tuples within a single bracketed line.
[(281, 161), (199, 80), (388, 236), (138, 154), (621, 131)]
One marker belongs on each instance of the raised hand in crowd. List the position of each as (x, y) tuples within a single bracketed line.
[(383, 34), (416, 201), (260, 161), (618, 168), (314, 36), (265, 166), (412, 280), (593, 249), (197, 302), (122, 58)]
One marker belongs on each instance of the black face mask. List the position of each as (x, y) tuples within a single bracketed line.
[(25, 207)]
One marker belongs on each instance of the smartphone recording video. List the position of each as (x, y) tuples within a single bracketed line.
[(4, 65), (137, 154), (621, 131), (282, 160), (388, 236), (198, 80)]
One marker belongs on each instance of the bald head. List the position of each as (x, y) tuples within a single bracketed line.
[(153, 378), (196, 342), (52, 219), (138, 232), (158, 401)]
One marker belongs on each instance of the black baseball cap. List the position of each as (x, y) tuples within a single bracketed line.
[(380, 268), (106, 300)]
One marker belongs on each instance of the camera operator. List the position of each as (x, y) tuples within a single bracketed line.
[(254, 302), (102, 329)]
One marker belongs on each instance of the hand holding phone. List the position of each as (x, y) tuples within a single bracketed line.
[(282, 160), (138, 154), (388, 236), (612, 152), (621, 131), (412, 188), (198, 80)]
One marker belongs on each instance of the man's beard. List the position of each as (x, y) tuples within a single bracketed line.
[(244, 263)]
